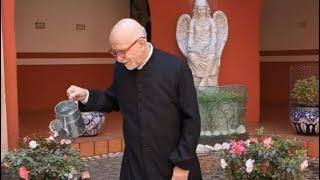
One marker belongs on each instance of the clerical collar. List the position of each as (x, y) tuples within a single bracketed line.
[(149, 55)]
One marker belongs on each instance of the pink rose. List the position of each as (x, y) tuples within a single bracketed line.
[(26, 139), (304, 165), (85, 175), (65, 141), (238, 148), (24, 173), (53, 134), (6, 164), (267, 142)]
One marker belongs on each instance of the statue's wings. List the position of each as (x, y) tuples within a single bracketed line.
[(222, 32), (182, 33)]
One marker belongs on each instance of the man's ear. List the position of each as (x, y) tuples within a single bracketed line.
[(142, 42)]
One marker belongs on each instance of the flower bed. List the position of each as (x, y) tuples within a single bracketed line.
[(263, 157), (38, 157)]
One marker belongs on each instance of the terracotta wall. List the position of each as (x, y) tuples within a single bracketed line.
[(275, 83), (10, 72), (240, 59), (4, 128), (41, 87)]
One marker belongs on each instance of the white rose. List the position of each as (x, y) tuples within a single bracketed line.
[(304, 165), (62, 141), (55, 134), (33, 144), (223, 163), (73, 171), (249, 165), (247, 142), (226, 146), (51, 138), (67, 141), (217, 147), (70, 176)]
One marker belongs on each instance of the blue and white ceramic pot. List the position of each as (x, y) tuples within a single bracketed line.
[(305, 119), (94, 122)]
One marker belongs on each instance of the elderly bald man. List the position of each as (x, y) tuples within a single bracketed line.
[(155, 93)]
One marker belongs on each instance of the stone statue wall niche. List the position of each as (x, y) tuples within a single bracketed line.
[(201, 38)]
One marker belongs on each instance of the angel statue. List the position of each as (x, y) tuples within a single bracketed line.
[(201, 39)]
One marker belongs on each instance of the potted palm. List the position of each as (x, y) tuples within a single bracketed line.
[(304, 110)]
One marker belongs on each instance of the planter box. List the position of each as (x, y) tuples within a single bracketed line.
[(222, 110)]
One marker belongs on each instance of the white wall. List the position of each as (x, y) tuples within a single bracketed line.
[(289, 25), (61, 17)]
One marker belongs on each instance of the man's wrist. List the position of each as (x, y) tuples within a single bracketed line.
[(87, 97)]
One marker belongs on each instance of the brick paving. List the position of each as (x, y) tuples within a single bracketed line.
[(109, 168)]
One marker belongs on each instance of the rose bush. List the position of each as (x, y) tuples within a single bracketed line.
[(263, 157), (38, 157)]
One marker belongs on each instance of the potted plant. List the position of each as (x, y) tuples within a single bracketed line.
[(263, 157), (38, 157), (304, 110)]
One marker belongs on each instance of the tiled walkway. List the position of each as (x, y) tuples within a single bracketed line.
[(102, 168)]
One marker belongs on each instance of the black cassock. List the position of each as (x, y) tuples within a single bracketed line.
[(161, 124)]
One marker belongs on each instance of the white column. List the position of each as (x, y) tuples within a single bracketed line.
[(4, 131)]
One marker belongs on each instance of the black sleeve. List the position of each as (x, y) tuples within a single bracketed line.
[(185, 153), (102, 101)]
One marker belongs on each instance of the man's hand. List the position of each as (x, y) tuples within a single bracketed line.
[(76, 93), (179, 174)]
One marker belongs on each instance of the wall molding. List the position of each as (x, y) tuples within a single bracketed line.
[(299, 52), (33, 55), (280, 59), (64, 58), (64, 61)]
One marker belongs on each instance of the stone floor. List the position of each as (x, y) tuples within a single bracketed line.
[(105, 167)]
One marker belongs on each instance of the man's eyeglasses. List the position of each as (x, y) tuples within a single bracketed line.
[(123, 52)]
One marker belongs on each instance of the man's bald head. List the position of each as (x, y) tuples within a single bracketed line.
[(126, 30)]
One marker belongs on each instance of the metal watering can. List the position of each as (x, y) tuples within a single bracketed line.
[(68, 122)]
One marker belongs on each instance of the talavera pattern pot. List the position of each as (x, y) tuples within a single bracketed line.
[(305, 119), (94, 122)]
